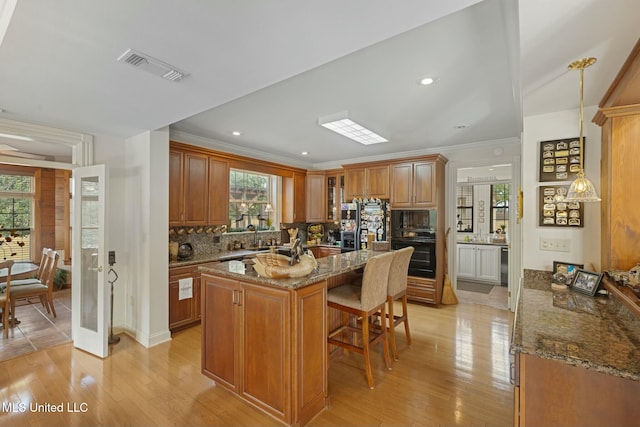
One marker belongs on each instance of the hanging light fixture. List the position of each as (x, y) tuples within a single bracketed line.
[(582, 189)]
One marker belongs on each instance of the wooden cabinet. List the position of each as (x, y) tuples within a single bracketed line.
[(424, 290), (198, 189), (324, 251), (218, 191), (413, 184), (316, 206), (267, 344), (554, 393), (479, 262), (293, 198), (366, 181), (335, 194), (185, 312)]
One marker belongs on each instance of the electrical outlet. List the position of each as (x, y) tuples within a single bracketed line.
[(558, 245)]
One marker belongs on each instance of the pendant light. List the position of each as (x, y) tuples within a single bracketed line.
[(582, 189)]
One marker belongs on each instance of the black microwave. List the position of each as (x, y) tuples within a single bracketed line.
[(414, 224)]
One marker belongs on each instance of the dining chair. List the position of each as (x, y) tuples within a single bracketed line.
[(362, 302), (40, 289), (5, 297), (397, 290)]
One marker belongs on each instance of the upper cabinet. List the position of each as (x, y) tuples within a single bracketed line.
[(188, 181), (218, 191), (316, 206), (414, 183), (371, 181), (335, 193), (293, 198)]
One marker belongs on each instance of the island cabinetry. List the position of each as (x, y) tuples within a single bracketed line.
[(183, 312), (267, 344), (188, 181), (316, 207), (293, 198), (370, 181), (553, 393), (324, 251), (423, 290), (479, 262)]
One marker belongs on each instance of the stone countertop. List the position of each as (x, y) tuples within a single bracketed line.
[(597, 333), (229, 255), (327, 267)]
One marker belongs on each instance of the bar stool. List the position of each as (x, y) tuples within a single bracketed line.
[(397, 289), (363, 302)]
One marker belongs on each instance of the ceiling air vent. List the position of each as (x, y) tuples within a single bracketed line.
[(152, 65)]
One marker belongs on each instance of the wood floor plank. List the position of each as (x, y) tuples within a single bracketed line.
[(455, 373)]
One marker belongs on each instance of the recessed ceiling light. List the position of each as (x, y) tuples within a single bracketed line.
[(342, 124), (305, 153), (236, 133), (426, 81)]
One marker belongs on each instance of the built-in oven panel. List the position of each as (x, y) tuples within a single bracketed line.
[(423, 259)]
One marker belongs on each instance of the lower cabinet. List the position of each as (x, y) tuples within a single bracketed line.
[(554, 393), (479, 262), (267, 344), (183, 312), (423, 290)]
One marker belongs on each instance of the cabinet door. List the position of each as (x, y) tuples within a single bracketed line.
[(181, 312), (488, 263), (354, 184), (466, 261), (402, 185), (196, 185), (176, 192), (424, 184), (266, 347), (293, 198), (218, 191), (377, 182), (221, 333), (315, 196)]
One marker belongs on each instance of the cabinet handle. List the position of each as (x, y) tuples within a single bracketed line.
[(233, 296), (240, 297), (512, 373)]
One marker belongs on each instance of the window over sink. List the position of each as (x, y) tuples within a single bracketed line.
[(251, 202)]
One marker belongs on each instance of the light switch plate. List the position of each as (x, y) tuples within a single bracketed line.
[(553, 244)]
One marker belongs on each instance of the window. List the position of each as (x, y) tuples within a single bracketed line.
[(499, 207), (250, 202), (16, 216), (464, 218)]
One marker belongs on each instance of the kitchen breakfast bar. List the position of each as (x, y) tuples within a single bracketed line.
[(266, 339)]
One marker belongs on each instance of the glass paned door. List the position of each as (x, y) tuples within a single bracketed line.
[(89, 294)]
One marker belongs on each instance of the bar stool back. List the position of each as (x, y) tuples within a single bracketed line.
[(398, 274)]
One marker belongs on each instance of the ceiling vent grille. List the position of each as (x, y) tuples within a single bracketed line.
[(152, 65)]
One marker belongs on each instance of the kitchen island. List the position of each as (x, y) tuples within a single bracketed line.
[(577, 357), (266, 339)]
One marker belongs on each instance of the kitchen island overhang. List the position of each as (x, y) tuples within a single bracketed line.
[(265, 339)]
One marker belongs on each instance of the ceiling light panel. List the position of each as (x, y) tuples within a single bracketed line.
[(342, 124)]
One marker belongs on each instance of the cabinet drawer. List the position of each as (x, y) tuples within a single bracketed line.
[(421, 294)]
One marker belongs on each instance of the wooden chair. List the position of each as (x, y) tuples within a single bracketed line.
[(363, 302), (42, 269), (397, 289), (42, 290), (5, 297)]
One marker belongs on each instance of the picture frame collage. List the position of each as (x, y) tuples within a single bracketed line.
[(559, 161)]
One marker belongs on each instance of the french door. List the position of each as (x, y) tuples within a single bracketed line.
[(90, 302)]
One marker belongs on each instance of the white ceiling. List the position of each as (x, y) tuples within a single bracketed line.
[(269, 69)]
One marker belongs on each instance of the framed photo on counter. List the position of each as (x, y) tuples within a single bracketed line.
[(586, 282), (564, 272), (560, 159)]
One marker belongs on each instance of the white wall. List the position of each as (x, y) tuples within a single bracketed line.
[(585, 241), (145, 233)]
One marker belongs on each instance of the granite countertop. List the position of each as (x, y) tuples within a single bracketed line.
[(233, 254), (327, 267), (597, 333)]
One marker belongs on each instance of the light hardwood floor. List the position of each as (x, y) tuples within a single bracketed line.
[(456, 373)]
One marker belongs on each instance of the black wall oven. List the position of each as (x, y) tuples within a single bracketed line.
[(416, 228)]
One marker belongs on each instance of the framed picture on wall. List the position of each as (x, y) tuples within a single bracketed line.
[(560, 159), (555, 212)]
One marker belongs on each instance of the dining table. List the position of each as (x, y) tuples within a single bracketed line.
[(20, 270)]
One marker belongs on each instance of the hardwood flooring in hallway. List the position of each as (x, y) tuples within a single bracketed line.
[(456, 373)]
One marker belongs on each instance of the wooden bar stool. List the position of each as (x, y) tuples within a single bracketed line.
[(397, 289), (363, 302)]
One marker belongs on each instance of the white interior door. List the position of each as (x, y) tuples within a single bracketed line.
[(90, 302)]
